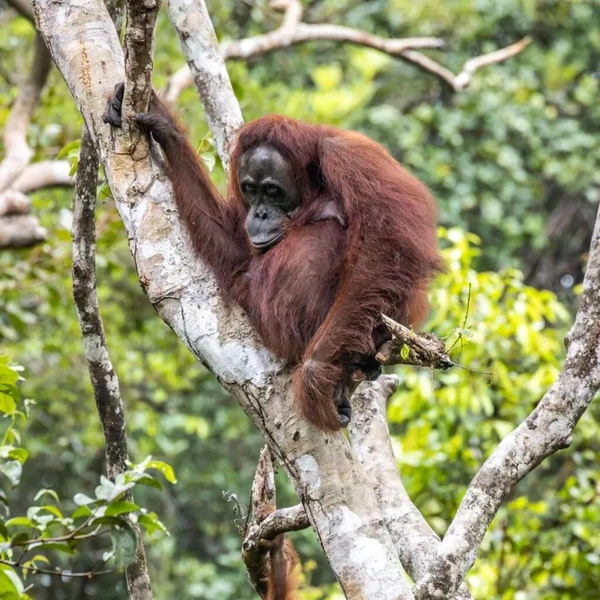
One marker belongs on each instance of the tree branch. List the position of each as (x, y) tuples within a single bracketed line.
[(415, 541), (104, 379), (547, 429), (139, 50), (139, 43), (409, 348), (102, 374), (462, 80), (264, 502), (200, 47), (267, 523), (292, 518), (43, 174), (17, 150), (27, 231), (20, 231), (14, 203), (23, 7), (293, 31)]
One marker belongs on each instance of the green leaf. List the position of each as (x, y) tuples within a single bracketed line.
[(108, 521), (124, 545), (164, 468), (54, 510), (32, 563), (19, 454), (118, 508), (46, 491), (7, 405), (24, 521), (11, 586), (151, 523), (103, 191), (404, 352), (74, 162), (65, 150), (150, 481), (8, 375), (59, 547), (82, 511)]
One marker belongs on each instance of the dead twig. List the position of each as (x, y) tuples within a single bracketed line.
[(409, 348)]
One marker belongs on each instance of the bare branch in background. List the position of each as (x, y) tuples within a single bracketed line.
[(17, 150), (25, 232), (43, 174), (14, 203), (23, 7), (102, 374), (293, 31), (462, 80), (17, 232), (20, 231)]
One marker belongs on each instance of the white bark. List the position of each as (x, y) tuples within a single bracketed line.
[(416, 543), (14, 203), (20, 231), (328, 479), (17, 150), (46, 173), (199, 44)]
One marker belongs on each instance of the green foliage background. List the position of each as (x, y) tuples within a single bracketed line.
[(514, 160)]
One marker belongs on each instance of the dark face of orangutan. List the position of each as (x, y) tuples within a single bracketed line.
[(270, 193)]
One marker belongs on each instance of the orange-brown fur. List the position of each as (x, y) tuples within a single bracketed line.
[(317, 296), (282, 582)]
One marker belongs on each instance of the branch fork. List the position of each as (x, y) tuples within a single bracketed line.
[(352, 496)]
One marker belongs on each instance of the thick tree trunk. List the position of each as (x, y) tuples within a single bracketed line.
[(328, 479)]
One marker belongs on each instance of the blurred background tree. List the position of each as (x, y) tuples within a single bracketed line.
[(514, 162)]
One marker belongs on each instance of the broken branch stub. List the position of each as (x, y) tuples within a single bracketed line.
[(409, 348)]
